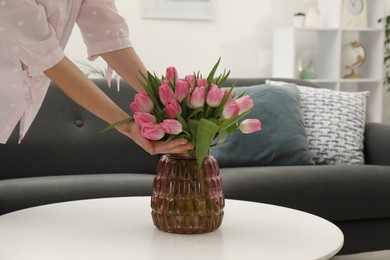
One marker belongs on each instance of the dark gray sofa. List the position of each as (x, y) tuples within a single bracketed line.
[(64, 157)]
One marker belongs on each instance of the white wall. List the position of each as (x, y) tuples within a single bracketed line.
[(240, 33)]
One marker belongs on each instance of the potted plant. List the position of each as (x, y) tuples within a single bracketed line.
[(299, 19)]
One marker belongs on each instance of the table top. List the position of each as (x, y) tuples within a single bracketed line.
[(122, 228)]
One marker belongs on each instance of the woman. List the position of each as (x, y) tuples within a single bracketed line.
[(33, 34)]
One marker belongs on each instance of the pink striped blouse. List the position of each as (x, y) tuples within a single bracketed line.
[(33, 35)]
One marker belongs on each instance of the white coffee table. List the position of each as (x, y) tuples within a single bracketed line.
[(122, 228)]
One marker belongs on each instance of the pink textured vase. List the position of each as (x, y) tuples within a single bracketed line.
[(186, 199)]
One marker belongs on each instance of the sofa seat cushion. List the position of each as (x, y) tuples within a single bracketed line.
[(23, 193), (337, 193)]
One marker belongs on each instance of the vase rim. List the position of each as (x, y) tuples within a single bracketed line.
[(191, 154)]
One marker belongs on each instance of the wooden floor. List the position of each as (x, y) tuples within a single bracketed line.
[(377, 255)]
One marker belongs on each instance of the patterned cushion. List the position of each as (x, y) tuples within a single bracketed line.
[(334, 122)]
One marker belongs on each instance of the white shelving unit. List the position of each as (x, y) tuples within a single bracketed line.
[(325, 43)]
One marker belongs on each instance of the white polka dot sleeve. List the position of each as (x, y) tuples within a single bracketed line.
[(102, 28), (30, 38)]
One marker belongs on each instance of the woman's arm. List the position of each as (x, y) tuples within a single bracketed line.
[(127, 64), (84, 92)]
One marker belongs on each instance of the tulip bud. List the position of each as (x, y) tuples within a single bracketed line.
[(143, 102), (172, 107), (214, 96), (198, 97), (245, 103), (230, 110), (248, 126), (152, 131), (191, 80), (202, 82), (225, 93), (141, 118), (165, 92), (134, 108), (171, 74), (182, 89), (171, 126)]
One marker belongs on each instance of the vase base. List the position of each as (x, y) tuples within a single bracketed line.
[(187, 225)]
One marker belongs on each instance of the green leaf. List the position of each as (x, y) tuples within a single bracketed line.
[(204, 137), (112, 126), (212, 72), (183, 123), (193, 126), (222, 136), (222, 78), (195, 112)]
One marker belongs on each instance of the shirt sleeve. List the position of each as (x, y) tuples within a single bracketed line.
[(102, 28), (27, 34)]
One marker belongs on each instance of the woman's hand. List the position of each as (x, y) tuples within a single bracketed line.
[(132, 130)]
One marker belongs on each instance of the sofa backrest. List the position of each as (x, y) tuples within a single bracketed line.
[(65, 139), (240, 82)]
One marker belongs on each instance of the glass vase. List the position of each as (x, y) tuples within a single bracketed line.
[(186, 199)]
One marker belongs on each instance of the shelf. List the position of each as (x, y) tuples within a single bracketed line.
[(315, 29), (323, 80), (360, 80), (363, 29), (321, 47), (360, 29), (345, 80)]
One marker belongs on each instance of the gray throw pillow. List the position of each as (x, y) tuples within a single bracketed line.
[(282, 140)]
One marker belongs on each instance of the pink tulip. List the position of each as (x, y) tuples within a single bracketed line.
[(143, 118), (171, 126), (142, 103), (172, 107), (152, 131), (202, 82), (182, 89), (197, 97), (225, 93), (191, 80), (248, 126), (134, 107), (165, 92), (245, 103), (230, 110), (171, 74), (214, 96)]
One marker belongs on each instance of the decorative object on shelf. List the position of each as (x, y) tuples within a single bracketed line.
[(312, 17), (309, 72), (306, 66), (199, 110), (354, 13), (386, 58), (353, 55), (299, 19), (187, 199)]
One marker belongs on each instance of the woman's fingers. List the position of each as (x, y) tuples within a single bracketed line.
[(173, 146), (132, 130)]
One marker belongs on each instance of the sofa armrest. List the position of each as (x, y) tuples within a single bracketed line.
[(377, 144)]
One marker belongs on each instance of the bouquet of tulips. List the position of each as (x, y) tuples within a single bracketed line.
[(194, 108)]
